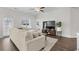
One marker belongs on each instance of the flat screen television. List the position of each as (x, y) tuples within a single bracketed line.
[(50, 23), (49, 26)]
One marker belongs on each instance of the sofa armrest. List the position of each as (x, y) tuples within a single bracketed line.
[(18, 38)]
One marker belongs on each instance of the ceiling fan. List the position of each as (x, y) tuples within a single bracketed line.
[(39, 9)]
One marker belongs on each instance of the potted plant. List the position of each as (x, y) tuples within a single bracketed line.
[(59, 26)]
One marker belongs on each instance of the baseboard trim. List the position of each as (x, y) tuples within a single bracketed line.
[(69, 36)]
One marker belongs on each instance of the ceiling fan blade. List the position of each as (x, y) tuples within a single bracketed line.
[(42, 7), (42, 10)]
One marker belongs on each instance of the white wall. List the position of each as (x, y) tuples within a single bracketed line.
[(74, 21), (58, 14), (17, 17)]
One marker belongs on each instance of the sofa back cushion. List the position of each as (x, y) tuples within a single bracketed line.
[(32, 34), (36, 34)]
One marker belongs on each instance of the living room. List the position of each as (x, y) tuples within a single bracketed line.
[(33, 17)]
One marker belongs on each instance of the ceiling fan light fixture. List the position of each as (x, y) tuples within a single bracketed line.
[(37, 9)]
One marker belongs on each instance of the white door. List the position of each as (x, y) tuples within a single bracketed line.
[(7, 24)]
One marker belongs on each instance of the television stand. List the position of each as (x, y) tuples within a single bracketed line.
[(50, 32)]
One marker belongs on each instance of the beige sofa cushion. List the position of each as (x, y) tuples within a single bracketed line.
[(29, 36), (39, 33), (35, 34), (32, 34)]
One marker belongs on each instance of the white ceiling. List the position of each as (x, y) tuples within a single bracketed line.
[(30, 9), (22, 9)]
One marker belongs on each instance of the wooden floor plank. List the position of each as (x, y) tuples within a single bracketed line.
[(65, 44)]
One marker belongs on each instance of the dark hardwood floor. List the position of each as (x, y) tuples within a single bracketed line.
[(7, 45), (63, 44)]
